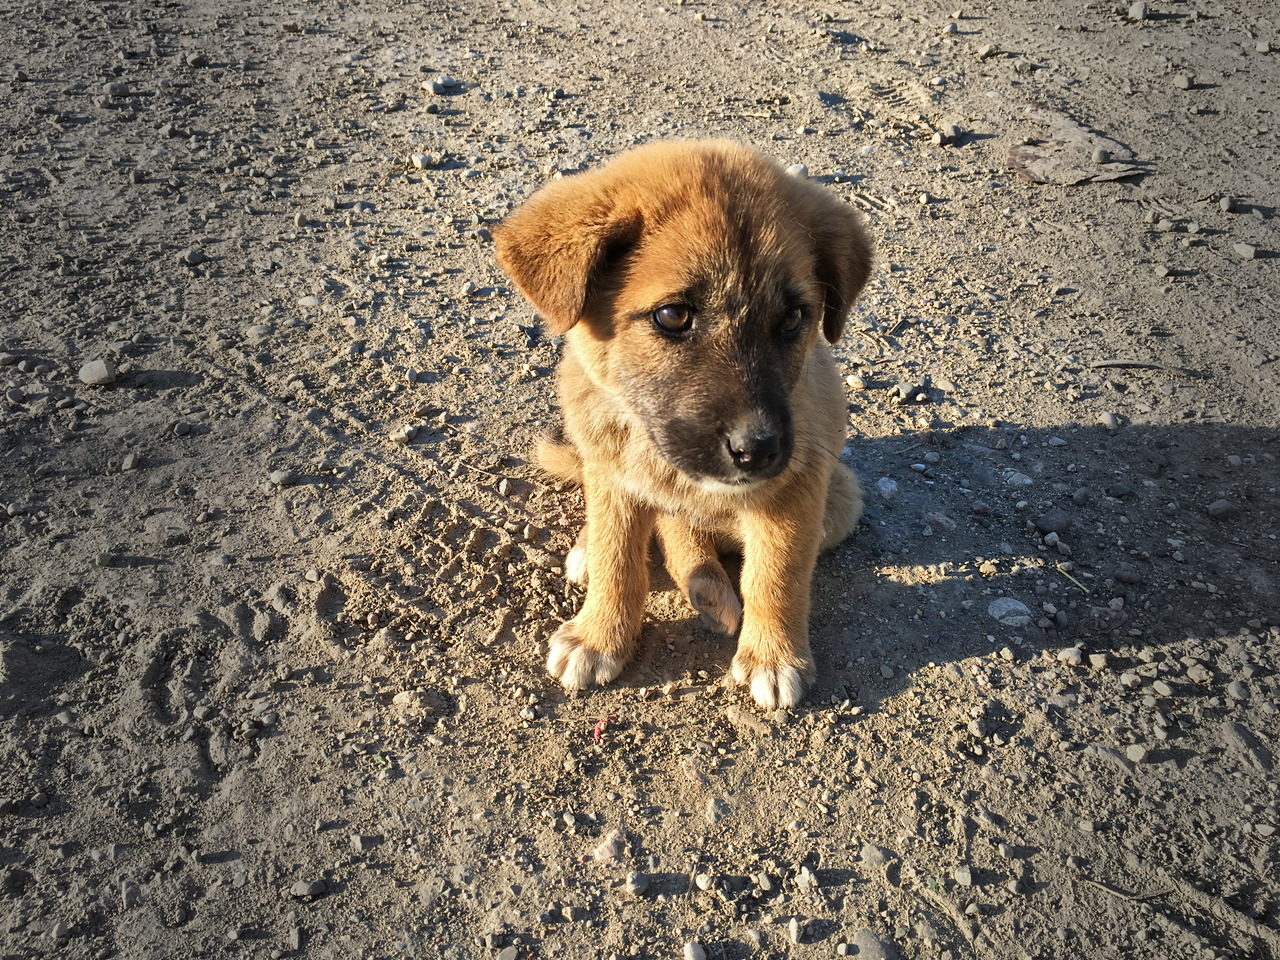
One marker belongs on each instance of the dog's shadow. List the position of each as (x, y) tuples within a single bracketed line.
[(981, 545)]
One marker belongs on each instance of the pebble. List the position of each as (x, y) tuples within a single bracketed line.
[(868, 946), (1236, 690), (444, 84), (98, 373), (874, 856), (798, 170), (1009, 611), (1220, 509), (308, 888), (508, 953), (795, 930), (1184, 81), (964, 875), (192, 256), (694, 951), (1136, 753), (1162, 688), (717, 810), (887, 488), (311, 300), (1137, 11), (422, 161), (282, 478), (1071, 656), (636, 883), (1053, 521), (704, 881), (610, 848), (1245, 251), (117, 88), (1101, 155), (1108, 420)]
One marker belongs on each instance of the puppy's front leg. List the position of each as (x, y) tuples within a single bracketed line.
[(594, 646), (780, 549)]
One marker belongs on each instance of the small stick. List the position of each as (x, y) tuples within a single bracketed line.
[(1117, 892), (1083, 590)]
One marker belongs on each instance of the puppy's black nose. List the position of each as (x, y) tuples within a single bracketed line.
[(753, 449)]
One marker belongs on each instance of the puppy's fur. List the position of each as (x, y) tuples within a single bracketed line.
[(698, 286)]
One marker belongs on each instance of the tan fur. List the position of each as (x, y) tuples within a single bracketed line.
[(596, 254)]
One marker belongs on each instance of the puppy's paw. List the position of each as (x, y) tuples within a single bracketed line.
[(772, 683), (577, 664), (711, 594)]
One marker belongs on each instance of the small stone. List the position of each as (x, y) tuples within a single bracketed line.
[(717, 810), (1236, 690), (868, 946), (1101, 155), (444, 85), (964, 875), (422, 161), (694, 951), (610, 848), (192, 256), (987, 51), (887, 488), (1136, 753), (795, 930), (1184, 81), (1053, 521), (1245, 251), (1137, 12), (1227, 205), (1162, 688), (704, 881), (874, 856), (282, 478), (508, 953), (1009, 611), (798, 170), (98, 373), (1071, 656), (300, 220), (636, 883), (308, 888), (117, 88), (1220, 509), (363, 842), (886, 671), (1108, 420), (309, 301)]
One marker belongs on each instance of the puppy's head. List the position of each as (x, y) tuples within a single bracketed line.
[(693, 280)]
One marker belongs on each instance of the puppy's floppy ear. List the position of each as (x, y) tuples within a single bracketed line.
[(559, 243), (842, 253)]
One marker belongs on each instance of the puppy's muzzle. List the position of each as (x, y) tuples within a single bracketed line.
[(756, 448)]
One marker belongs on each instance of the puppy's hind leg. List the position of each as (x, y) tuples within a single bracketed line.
[(691, 559), (575, 561), (844, 505)]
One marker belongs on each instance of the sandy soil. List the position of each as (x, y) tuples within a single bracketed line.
[(275, 585)]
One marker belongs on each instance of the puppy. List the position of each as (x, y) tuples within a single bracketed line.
[(698, 286)]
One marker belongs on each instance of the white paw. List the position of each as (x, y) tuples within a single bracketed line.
[(575, 565), (772, 684), (576, 665), (713, 597)]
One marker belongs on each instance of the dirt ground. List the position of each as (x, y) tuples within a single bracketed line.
[(275, 583)]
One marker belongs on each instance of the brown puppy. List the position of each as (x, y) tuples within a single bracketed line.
[(698, 286)]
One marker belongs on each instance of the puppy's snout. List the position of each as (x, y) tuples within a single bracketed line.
[(754, 448)]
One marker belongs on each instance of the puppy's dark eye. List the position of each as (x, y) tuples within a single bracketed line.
[(673, 318), (792, 323)]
